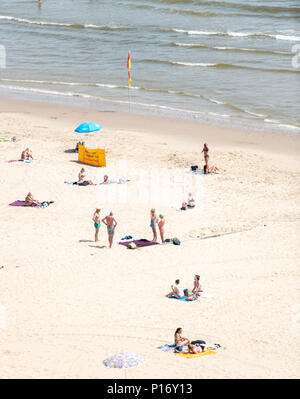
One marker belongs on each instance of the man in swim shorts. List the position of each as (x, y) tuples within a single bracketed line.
[(111, 224), (97, 223)]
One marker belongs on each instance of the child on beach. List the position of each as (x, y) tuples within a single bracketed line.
[(97, 222)]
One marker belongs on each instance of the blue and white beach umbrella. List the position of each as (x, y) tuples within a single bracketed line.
[(88, 127)]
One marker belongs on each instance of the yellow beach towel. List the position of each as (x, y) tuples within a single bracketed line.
[(192, 355)]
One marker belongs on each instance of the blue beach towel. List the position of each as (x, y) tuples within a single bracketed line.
[(183, 299)]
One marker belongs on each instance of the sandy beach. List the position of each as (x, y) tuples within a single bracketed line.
[(69, 303)]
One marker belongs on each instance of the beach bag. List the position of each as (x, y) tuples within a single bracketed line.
[(176, 241), (194, 167), (84, 183)]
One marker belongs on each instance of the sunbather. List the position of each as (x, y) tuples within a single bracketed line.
[(177, 290), (153, 223), (201, 347), (207, 169), (191, 201), (111, 224), (197, 291), (81, 181), (26, 154), (29, 200), (180, 340)]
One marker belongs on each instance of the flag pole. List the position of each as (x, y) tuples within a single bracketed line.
[(129, 79)]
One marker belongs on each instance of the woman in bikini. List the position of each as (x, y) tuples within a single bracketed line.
[(161, 226), (153, 223), (30, 201), (179, 339), (81, 181), (197, 291)]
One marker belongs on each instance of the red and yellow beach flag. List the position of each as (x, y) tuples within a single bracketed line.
[(128, 68)]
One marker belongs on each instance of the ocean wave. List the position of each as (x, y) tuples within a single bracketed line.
[(203, 13), (233, 34), (249, 7), (66, 25), (237, 49), (215, 65)]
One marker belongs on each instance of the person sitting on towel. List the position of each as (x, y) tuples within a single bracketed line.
[(207, 169), (191, 201), (197, 291), (26, 154), (106, 179), (177, 290), (81, 181), (29, 200), (180, 340)]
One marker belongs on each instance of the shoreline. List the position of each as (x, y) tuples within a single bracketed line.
[(186, 130), (81, 100)]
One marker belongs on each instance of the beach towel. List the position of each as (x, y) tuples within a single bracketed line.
[(139, 243), (170, 348), (21, 160), (19, 203), (192, 355), (184, 299), (45, 204)]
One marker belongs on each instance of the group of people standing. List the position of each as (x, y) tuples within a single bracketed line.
[(111, 224)]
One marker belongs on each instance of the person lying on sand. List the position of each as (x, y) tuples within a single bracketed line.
[(153, 223), (177, 290), (199, 347), (97, 222), (197, 291), (207, 169), (180, 340), (111, 224), (161, 226), (121, 180)]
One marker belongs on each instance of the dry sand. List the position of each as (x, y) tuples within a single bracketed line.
[(70, 303)]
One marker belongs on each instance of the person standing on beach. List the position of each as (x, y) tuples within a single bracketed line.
[(161, 226), (153, 223), (97, 222), (111, 224), (205, 151)]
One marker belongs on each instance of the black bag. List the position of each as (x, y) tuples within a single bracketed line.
[(198, 341), (194, 167), (176, 241)]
